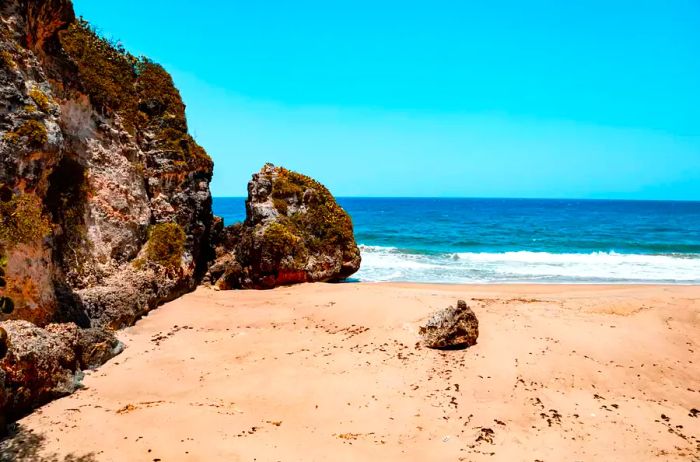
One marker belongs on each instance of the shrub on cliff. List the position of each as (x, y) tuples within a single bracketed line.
[(281, 244), (166, 244), (158, 97), (140, 91), (327, 226), (107, 72)]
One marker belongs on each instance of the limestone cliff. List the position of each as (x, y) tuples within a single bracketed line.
[(105, 209), (94, 157), (294, 232)]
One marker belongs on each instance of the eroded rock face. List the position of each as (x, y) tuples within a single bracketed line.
[(95, 157), (43, 364), (94, 152), (451, 328), (294, 232)]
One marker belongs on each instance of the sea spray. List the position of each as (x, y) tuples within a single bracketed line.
[(393, 264)]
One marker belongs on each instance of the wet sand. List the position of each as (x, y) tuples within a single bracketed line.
[(335, 372)]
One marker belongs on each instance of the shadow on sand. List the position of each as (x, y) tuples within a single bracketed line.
[(23, 445)]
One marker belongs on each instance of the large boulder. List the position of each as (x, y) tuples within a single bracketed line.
[(294, 232), (43, 364), (451, 328)]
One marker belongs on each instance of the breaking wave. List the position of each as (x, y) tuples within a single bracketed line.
[(384, 264)]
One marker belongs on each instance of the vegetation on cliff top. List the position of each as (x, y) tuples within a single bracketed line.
[(158, 97), (140, 91), (107, 71), (166, 244)]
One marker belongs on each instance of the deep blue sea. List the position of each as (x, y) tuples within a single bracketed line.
[(519, 240)]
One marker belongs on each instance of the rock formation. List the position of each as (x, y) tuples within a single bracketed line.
[(294, 232), (451, 328), (105, 209), (42, 364)]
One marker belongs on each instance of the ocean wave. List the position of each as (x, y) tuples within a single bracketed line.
[(395, 264)]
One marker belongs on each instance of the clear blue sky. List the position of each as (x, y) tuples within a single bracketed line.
[(595, 99)]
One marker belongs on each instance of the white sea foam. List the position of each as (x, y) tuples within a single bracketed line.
[(392, 264)]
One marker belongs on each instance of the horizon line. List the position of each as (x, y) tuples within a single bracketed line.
[(496, 198)]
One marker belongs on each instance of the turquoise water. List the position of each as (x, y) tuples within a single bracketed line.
[(520, 240)]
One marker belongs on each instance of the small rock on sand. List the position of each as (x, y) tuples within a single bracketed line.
[(451, 328)]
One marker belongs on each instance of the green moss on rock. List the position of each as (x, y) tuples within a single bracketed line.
[(166, 244), (281, 205), (294, 232), (22, 220), (280, 241), (7, 61), (40, 98), (3, 259), (31, 131), (289, 184), (326, 225)]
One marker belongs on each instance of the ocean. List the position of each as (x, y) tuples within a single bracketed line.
[(519, 240)]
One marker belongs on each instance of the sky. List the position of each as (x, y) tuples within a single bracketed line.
[(438, 98)]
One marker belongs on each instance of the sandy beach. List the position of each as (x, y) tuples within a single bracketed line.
[(335, 372)]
